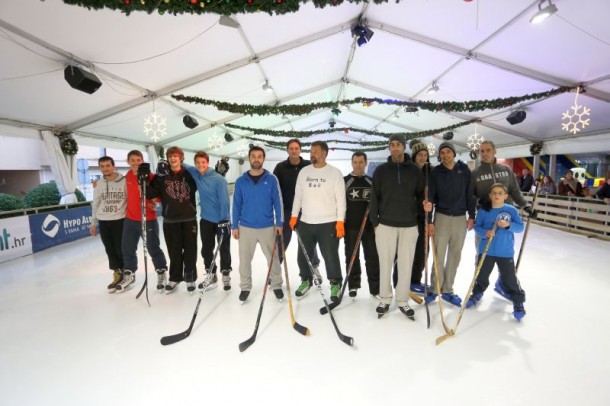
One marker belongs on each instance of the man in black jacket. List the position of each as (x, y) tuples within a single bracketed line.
[(451, 193), (398, 191)]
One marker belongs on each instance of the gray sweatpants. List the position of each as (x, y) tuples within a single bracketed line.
[(248, 238), (389, 240), (449, 236)]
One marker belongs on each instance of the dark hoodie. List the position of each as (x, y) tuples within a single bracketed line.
[(451, 190), (177, 191), (287, 174), (398, 192)]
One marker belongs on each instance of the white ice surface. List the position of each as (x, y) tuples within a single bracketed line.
[(64, 340)]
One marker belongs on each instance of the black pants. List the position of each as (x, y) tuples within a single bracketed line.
[(111, 232), (181, 241), (370, 257), (208, 243), (506, 266), (287, 235), (419, 259), (325, 235)]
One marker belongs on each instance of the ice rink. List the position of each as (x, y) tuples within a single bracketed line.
[(65, 340)]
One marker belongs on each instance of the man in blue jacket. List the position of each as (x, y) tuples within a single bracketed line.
[(451, 193), (214, 206), (257, 218)]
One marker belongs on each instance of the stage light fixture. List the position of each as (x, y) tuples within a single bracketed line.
[(228, 137), (81, 80), (267, 87), (190, 122), (543, 13), (362, 33), (516, 117), (433, 89)]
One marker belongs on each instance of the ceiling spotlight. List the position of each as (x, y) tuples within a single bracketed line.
[(81, 80), (362, 33), (267, 87), (228, 22), (543, 13), (332, 123), (189, 122), (433, 89), (228, 137), (448, 135)]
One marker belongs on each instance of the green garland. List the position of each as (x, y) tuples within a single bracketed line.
[(304, 134), (221, 7), (362, 146), (68, 145), (302, 109)]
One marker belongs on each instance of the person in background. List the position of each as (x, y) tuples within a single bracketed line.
[(547, 187), (526, 181), (570, 187), (604, 191)]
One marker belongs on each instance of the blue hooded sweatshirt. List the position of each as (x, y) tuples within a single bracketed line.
[(213, 194)]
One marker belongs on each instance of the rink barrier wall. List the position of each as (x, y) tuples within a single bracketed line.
[(31, 230), (576, 215)]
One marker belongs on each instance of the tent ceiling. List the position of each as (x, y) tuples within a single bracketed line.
[(482, 49)]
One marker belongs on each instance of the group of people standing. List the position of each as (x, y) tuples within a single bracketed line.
[(386, 215)]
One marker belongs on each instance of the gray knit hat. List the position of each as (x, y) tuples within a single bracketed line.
[(447, 144), (398, 137), (416, 147)]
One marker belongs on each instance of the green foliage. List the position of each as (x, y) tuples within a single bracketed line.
[(80, 196), (46, 194), (9, 202)]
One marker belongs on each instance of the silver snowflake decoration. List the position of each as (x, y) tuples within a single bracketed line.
[(243, 149), (155, 126), (431, 149), (215, 142), (576, 118), (474, 140)]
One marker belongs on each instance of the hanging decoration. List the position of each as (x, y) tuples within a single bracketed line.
[(536, 148), (155, 125), (243, 148), (346, 130), (226, 7), (215, 142), (474, 140), (68, 144), (576, 117), (412, 106), (431, 149)]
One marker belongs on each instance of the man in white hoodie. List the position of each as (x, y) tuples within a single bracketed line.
[(108, 212)]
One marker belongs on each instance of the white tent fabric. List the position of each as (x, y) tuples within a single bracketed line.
[(63, 168)]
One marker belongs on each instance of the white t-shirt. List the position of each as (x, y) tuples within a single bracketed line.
[(320, 194)]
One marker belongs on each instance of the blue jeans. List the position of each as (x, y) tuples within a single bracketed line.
[(132, 231)]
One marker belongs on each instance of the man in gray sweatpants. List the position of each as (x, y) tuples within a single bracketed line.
[(451, 193), (397, 192), (257, 218)]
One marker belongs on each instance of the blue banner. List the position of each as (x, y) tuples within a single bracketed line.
[(58, 227)]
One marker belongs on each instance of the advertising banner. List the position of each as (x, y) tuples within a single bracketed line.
[(59, 227), (15, 239)]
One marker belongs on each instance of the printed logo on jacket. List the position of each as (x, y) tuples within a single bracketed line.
[(58, 227)]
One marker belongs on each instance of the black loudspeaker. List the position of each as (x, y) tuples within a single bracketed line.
[(516, 117), (448, 135), (190, 122), (81, 80)]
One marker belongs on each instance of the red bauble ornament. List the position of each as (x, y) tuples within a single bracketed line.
[(194, 1), (127, 2), (346, 131)]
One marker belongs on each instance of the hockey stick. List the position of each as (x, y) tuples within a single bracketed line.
[(316, 280), (301, 329), (426, 171), (451, 332), (167, 340), (351, 263), (438, 287), (144, 240), (246, 344), (527, 225)]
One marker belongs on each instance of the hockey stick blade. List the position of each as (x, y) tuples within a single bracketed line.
[(301, 329), (332, 306), (441, 339), (246, 344), (168, 340), (416, 298)]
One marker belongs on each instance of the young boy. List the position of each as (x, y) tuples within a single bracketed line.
[(502, 248)]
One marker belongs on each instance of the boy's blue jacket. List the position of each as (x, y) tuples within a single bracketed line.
[(254, 205), (213, 194), (503, 244)]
